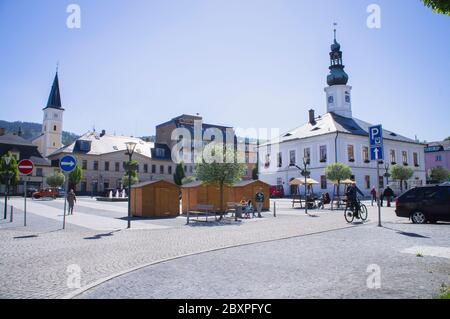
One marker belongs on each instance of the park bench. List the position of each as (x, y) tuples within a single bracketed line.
[(202, 211)]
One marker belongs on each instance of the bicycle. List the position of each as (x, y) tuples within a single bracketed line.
[(361, 213)]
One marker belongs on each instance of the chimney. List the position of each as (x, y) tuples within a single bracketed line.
[(103, 133), (2, 131), (312, 117)]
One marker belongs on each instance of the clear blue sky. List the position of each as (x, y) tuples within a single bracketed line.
[(246, 63)]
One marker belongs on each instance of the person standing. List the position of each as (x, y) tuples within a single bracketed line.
[(71, 199), (388, 194), (259, 199), (373, 194)]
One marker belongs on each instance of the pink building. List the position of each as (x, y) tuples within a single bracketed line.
[(437, 154)]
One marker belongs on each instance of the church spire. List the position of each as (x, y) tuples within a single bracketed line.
[(54, 100), (337, 74)]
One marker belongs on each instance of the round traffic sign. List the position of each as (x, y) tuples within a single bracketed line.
[(67, 163), (25, 167)]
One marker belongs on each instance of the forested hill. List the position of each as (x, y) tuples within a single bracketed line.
[(32, 130)]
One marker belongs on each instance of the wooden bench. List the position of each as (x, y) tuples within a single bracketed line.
[(202, 210)]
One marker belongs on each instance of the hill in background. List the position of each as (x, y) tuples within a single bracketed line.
[(33, 130)]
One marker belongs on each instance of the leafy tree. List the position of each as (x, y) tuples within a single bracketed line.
[(179, 174), (447, 139), (134, 179), (75, 177), (11, 168), (401, 174), (438, 6), (131, 169), (440, 174), (337, 173), (188, 180), (221, 173), (255, 173), (56, 179)]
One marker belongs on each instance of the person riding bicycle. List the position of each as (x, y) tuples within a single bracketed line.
[(352, 198)]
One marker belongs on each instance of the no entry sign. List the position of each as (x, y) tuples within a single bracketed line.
[(25, 167)]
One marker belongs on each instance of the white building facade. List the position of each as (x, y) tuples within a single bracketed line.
[(337, 137)]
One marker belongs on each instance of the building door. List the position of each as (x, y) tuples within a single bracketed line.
[(162, 201)]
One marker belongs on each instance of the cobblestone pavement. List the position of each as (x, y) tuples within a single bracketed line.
[(336, 264), (34, 260)]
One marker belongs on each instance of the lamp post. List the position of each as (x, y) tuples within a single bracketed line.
[(130, 151), (304, 173), (7, 175), (386, 174)]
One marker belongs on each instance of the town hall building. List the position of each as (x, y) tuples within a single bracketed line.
[(337, 137)]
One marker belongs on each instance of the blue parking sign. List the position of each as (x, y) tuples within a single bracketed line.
[(376, 143), (376, 135), (67, 163)]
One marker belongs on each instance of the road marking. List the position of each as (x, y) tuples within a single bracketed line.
[(433, 251)]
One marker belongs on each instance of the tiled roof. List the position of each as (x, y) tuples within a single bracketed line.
[(106, 144), (332, 123)]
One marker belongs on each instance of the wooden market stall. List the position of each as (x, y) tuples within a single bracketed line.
[(248, 189), (155, 199), (197, 193)]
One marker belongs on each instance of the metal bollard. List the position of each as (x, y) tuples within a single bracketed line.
[(274, 209), (11, 215)]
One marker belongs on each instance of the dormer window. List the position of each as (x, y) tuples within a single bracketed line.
[(160, 152)]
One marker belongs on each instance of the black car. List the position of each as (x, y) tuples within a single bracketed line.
[(425, 204)]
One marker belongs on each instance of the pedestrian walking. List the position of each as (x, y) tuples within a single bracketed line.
[(373, 194), (389, 195), (259, 199), (71, 199)]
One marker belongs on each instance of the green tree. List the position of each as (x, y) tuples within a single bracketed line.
[(438, 6), (131, 169), (337, 173), (221, 173), (56, 179), (188, 179), (401, 174), (75, 177), (255, 173), (439, 174), (447, 139), (11, 168), (179, 174)]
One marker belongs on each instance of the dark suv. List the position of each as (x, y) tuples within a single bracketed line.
[(425, 204)]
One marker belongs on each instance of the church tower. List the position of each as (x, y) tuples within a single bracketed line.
[(338, 93), (51, 138)]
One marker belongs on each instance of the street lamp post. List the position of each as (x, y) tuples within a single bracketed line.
[(304, 173), (8, 175), (130, 151), (386, 174)]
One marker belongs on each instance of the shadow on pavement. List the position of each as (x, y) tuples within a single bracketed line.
[(400, 232), (100, 236)]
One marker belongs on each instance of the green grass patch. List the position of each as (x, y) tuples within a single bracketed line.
[(445, 292)]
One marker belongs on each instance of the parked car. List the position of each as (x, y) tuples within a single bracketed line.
[(276, 191), (31, 191), (425, 204), (45, 193), (60, 192)]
